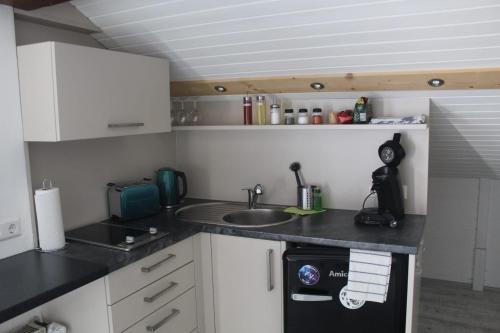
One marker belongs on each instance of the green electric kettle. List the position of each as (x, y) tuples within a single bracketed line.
[(168, 183)]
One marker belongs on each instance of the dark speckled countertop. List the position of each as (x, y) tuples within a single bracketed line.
[(331, 228)]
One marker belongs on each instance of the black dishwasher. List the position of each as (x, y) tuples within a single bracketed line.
[(315, 280)]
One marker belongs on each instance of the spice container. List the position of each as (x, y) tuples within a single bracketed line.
[(275, 114), (247, 110), (332, 117), (261, 110), (303, 117), (317, 116), (289, 117)]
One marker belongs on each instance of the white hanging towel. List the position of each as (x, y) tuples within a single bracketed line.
[(369, 275)]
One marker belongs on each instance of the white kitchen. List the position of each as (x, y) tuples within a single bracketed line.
[(189, 166)]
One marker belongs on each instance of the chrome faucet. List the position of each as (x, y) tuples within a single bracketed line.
[(253, 195)]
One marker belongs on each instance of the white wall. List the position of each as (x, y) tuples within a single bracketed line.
[(81, 169), (450, 229), (14, 194), (453, 234), (492, 277), (219, 163)]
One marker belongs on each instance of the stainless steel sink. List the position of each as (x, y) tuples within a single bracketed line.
[(258, 217), (234, 214)]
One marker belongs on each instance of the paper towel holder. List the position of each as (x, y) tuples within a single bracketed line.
[(47, 184)]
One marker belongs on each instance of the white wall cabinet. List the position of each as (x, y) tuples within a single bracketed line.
[(247, 282), (71, 92)]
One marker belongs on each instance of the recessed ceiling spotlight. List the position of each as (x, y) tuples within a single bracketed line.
[(435, 83), (220, 89), (317, 85)]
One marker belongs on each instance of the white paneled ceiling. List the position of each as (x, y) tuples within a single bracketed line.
[(237, 38), (209, 39), (465, 135)]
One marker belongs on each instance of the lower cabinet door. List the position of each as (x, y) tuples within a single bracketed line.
[(247, 279), (178, 316)]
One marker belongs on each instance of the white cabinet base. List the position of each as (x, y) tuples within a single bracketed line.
[(83, 310), (248, 283)]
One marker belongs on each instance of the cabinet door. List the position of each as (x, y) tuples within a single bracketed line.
[(71, 92), (247, 279), (102, 93), (83, 310)]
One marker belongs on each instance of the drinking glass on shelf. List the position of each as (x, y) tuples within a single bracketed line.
[(181, 116), (194, 116)]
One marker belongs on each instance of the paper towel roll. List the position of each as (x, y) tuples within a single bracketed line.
[(49, 219)]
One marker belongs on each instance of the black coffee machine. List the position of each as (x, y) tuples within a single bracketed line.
[(386, 185)]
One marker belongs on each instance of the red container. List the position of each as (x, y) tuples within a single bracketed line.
[(345, 117), (247, 110)]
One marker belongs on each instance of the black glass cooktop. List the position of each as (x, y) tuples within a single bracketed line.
[(113, 236)]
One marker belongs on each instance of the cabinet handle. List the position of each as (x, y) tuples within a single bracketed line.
[(121, 125), (311, 298), (158, 264), (153, 298), (153, 328), (270, 278)]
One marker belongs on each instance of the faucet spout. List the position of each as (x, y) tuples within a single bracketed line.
[(253, 195)]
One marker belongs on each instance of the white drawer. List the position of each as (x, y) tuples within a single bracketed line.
[(178, 316), (133, 277), (140, 304)]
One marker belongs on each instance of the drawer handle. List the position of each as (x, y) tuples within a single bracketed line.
[(158, 264), (122, 125), (311, 298), (153, 328), (153, 298)]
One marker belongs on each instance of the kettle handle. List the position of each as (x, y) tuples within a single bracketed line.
[(182, 176)]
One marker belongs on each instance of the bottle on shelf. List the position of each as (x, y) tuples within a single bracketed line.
[(362, 111), (261, 110), (247, 110), (275, 114)]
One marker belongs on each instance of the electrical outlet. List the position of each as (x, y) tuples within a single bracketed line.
[(10, 229)]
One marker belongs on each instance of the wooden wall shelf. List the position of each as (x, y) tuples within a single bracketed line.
[(301, 127), (455, 79)]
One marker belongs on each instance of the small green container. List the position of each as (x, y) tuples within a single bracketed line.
[(317, 202)]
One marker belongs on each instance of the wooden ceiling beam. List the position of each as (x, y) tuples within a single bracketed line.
[(30, 4), (454, 79)]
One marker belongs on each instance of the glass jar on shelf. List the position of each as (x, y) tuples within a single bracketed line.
[(289, 117), (303, 117), (261, 109), (317, 116), (247, 110), (275, 114)]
